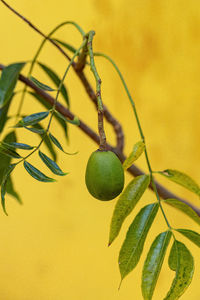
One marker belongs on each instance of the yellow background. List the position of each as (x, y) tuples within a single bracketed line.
[(54, 247)]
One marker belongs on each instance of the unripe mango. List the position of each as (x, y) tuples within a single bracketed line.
[(104, 175)]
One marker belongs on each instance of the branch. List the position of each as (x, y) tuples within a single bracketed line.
[(134, 170), (116, 125), (36, 29)]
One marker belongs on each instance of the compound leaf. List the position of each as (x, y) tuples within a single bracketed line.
[(126, 203)]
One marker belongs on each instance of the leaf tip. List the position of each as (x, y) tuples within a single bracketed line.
[(73, 153), (120, 284), (64, 174), (20, 201), (4, 210), (111, 239)]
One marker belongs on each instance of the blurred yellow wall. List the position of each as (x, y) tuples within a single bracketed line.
[(54, 247)]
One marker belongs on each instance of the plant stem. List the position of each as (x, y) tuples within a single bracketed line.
[(149, 167), (36, 29), (140, 131), (102, 135), (62, 80), (37, 54), (55, 101)]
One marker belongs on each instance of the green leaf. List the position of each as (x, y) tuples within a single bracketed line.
[(50, 147), (67, 46), (191, 235), (182, 262), (55, 78), (3, 185), (62, 122), (126, 203), (35, 130), (35, 173), (47, 141), (75, 121), (41, 85), (15, 145), (153, 264), (133, 245), (46, 104), (10, 190), (51, 164), (173, 257), (8, 82), (4, 114), (32, 119), (5, 161), (182, 179), (183, 207), (138, 149), (56, 142), (9, 152)]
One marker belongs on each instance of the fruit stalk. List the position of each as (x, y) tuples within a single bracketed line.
[(102, 135)]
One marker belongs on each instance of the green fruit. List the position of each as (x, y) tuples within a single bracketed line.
[(104, 175)]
